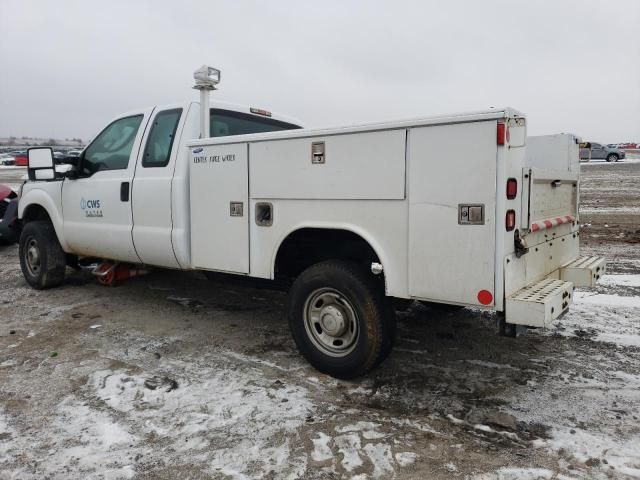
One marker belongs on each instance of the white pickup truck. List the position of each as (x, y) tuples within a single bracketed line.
[(462, 209)]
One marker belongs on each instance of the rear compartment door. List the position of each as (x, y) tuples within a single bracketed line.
[(451, 168), (219, 207), (552, 198)]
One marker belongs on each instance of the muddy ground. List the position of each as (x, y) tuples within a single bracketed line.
[(172, 376)]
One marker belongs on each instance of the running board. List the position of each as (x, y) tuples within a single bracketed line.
[(584, 272), (539, 304)]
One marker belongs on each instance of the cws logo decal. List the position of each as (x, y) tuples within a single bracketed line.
[(91, 208), (198, 150)]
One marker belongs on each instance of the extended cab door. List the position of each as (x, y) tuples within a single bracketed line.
[(96, 205), (151, 195)]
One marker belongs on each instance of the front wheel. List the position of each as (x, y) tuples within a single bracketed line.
[(340, 319), (612, 157), (42, 260)]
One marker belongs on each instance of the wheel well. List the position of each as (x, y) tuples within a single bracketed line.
[(35, 212), (308, 246)]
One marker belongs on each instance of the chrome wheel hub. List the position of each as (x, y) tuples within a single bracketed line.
[(32, 256), (331, 322)]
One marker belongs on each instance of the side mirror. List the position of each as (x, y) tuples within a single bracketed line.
[(40, 164)]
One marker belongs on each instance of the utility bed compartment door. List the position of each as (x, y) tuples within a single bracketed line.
[(357, 166), (219, 208), (553, 198), (450, 166)]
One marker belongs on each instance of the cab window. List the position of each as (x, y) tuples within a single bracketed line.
[(112, 148), (161, 136), (227, 122)]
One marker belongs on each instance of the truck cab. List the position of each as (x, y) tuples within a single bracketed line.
[(128, 187)]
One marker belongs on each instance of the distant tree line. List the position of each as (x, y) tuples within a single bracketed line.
[(12, 140)]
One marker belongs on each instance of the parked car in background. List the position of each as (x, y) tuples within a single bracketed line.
[(6, 159), (629, 145), (9, 224), (597, 151), (21, 158)]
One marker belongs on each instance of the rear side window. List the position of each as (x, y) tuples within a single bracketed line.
[(112, 148), (161, 136), (228, 122)]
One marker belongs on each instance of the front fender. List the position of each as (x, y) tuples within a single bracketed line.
[(43, 198)]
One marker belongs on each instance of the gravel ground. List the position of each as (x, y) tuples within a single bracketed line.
[(174, 376)]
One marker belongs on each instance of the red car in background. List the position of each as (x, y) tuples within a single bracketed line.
[(21, 159)]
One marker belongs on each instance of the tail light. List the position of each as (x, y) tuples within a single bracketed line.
[(503, 133), (510, 220), (512, 188)]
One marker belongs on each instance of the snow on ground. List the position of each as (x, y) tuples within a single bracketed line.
[(231, 420), (508, 473), (581, 404), (607, 317), (12, 176), (621, 279), (213, 409), (610, 209), (630, 158)]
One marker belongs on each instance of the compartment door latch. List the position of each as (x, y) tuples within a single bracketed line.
[(317, 153), (471, 214), (235, 209)]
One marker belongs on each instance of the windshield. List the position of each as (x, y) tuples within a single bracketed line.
[(229, 122)]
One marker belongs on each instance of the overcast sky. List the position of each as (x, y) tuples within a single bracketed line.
[(68, 67)]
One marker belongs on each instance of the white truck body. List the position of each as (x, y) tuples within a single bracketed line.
[(428, 196)]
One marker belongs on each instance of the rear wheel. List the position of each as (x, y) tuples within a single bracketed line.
[(340, 319), (612, 157), (42, 259)]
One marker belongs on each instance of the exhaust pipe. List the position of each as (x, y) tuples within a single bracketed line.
[(206, 80)]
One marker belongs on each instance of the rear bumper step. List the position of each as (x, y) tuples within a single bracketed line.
[(584, 272), (539, 304)]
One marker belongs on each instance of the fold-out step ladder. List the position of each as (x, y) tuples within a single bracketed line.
[(584, 271), (539, 304)]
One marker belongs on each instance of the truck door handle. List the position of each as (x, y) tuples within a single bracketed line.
[(124, 191)]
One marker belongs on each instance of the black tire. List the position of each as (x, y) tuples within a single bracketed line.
[(42, 259), (612, 157), (359, 301)]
